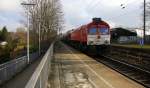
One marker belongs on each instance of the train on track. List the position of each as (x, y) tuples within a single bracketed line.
[(90, 37)]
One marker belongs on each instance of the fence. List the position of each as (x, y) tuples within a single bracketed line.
[(40, 76), (131, 39), (11, 68)]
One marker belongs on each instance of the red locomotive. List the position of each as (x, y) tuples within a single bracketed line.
[(93, 34)]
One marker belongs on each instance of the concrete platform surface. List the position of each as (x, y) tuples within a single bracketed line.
[(73, 69)]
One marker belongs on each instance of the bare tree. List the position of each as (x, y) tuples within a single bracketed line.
[(46, 15)]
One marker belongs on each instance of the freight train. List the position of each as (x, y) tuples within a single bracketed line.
[(90, 37)]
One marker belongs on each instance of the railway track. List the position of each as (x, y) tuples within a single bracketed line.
[(137, 57), (137, 74)]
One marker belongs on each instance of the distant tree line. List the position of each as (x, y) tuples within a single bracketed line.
[(3, 34), (5, 50), (16, 44)]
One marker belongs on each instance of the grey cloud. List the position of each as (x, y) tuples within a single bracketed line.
[(80, 12)]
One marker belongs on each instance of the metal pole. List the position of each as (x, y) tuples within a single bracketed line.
[(39, 38), (28, 28), (144, 24), (28, 51)]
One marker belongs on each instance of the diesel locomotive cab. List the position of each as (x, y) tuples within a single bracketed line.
[(98, 33), (91, 37)]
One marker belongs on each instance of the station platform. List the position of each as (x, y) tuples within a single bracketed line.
[(73, 69)]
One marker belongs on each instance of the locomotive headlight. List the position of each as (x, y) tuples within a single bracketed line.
[(90, 42)]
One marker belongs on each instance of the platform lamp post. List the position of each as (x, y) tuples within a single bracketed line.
[(28, 26)]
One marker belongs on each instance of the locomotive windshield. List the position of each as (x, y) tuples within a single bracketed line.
[(92, 31), (104, 31)]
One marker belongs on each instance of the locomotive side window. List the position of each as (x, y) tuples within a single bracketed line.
[(92, 31), (104, 31)]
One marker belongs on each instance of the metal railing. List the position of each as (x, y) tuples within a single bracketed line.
[(40, 76), (11, 68)]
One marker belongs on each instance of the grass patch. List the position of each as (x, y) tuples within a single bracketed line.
[(134, 46)]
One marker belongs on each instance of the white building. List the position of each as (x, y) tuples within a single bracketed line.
[(3, 43)]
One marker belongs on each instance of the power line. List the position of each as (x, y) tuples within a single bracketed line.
[(123, 6)]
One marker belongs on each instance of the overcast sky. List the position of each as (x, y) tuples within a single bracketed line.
[(10, 14), (78, 12)]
